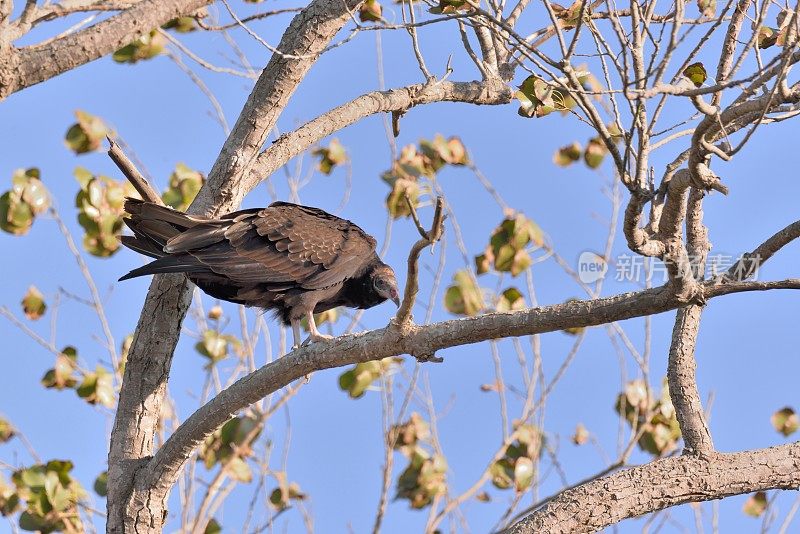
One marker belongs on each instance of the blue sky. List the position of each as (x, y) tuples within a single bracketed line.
[(747, 349)]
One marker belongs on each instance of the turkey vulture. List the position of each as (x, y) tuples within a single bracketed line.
[(291, 259)]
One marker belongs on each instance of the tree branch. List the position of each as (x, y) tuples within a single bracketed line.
[(427, 238), (683, 383), (133, 175), (162, 472), (664, 483), (292, 144), (34, 64)]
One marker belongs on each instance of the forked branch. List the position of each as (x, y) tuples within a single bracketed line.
[(427, 238)]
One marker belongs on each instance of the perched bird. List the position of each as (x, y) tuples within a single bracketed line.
[(291, 259)]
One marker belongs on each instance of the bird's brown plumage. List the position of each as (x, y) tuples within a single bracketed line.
[(289, 258)]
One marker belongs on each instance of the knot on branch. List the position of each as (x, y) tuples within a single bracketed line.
[(424, 358), (703, 178)]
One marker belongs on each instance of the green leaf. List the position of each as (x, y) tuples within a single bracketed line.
[(100, 207), (33, 304), (370, 11), (708, 8), (406, 436), (464, 296), (523, 473), (595, 152), (332, 155), (696, 73), (215, 345), (6, 430), (785, 421), (450, 6), (570, 16), (755, 505), (357, 380), (97, 387), (502, 474), (184, 184), (26, 199), (34, 193), (147, 46), (239, 470), (767, 37), (567, 155), (510, 300), (87, 134), (276, 499), (538, 98), (213, 527), (101, 484), (32, 523), (423, 479), (59, 497), (328, 316), (181, 25)]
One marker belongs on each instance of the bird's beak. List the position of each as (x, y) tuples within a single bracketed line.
[(396, 300)]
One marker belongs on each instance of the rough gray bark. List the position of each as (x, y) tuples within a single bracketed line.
[(661, 484), (683, 382), (140, 400), (21, 68)]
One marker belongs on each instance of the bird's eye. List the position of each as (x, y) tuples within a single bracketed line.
[(380, 283)]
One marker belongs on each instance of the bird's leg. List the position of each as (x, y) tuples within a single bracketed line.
[(316, 335), (296, 333)]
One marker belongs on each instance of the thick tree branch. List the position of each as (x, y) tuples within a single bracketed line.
[(162, 472), (34, 64), (292, 144), (683, 383), (663, 483), (682, 362)]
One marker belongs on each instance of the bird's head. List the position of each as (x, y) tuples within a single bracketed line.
[(385, 283)]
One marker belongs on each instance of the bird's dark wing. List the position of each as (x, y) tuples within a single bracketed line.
[(284, 244)]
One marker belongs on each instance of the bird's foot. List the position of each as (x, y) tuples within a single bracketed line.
[(315, 338)]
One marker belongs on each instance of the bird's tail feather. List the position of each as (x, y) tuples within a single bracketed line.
[(153, 225), (168, 264)]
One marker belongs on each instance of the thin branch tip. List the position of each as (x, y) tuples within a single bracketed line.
[(134, 176)]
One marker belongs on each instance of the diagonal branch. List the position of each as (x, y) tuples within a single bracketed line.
[(162, 471), (662, 484), (134, 176), (294, 143)]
